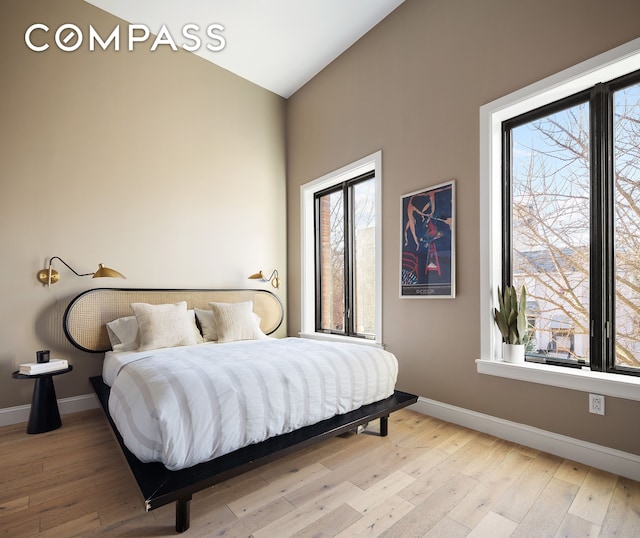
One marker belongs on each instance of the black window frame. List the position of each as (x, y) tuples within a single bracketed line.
[(602, 216), (346, 187)]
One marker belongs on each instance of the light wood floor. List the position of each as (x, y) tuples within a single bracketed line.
[(427, 478)]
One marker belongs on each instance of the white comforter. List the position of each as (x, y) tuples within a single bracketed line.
[(186, 405)]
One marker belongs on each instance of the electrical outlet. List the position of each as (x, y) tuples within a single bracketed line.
[(596, 404)]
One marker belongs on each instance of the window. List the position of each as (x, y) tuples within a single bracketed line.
[(564, 151), (341, 253), (345, 217), (571, 206)]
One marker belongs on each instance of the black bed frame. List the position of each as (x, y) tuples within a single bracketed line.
[(159, 486)]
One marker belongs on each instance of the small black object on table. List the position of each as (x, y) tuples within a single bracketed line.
[(44, 415)]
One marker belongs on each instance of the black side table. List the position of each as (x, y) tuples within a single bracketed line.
[(44, 415)]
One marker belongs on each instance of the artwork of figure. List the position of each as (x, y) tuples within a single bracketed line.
[(426, 213), (428, 218)]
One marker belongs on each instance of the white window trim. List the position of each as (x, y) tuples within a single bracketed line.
[(369, 163), (606, 66)]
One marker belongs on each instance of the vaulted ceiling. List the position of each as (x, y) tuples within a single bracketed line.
[(277, 44)]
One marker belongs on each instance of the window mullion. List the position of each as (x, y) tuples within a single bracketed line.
[(598, 218), (318, 261), (506, 205), (348, 259), (602, 244), (609, 247)]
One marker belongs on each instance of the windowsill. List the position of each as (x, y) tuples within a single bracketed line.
[(616, 385), (339, 338)]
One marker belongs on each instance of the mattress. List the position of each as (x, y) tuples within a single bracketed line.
[(186, 405)]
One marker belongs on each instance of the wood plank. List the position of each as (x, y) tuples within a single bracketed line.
[(380, 492), (576, 526), (19, 529), (248, 523), (346, 458), (455, 442), (331, 524), (448, 528), (523, 493), (80, 526), (471, 510), (547, 513), (623, 516), (572, 472), (417, 432), (429, 512), (309, 492), (388, 457), (424, 462), (280, 487), (307, 514), (494, 526), (14, 505), (428, 483), (378, 519), (592, 501), (479, 462)]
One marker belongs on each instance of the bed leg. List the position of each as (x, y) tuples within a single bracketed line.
[(182, 514), (384, 426)]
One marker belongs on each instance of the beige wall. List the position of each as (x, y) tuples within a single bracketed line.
[(160, 165), (413, 87)]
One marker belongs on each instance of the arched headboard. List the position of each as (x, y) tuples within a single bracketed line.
[(86, 316)]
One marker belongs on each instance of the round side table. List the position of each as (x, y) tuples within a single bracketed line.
[(44, 415)]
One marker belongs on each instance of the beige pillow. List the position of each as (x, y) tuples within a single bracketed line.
[(165, 325), (236, 321)]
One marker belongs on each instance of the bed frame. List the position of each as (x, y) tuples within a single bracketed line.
[(84, 325)]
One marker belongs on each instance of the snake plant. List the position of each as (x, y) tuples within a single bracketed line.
[(511, 318)]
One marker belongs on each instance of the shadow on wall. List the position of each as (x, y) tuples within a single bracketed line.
[(48, 326), (50, 335)]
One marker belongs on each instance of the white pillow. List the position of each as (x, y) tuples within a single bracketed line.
[(123, 334), (207, 324), (165, 325), (236, 321)]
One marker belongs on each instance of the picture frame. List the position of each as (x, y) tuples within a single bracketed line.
[(427, 251)]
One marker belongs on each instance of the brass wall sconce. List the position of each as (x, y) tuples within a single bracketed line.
[(273, 278), (50, 276)]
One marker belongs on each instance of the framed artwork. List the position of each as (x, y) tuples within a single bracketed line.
[(428, 258)]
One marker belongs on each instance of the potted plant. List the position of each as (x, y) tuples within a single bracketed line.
[(511, 319)]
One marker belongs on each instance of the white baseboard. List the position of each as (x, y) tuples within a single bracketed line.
[(75, 404), (600, 457)]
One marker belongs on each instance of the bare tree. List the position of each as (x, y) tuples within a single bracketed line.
[(551, 224)]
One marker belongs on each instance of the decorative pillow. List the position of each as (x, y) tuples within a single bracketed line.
[(236, 321), (123, 334), (165, 325), (207, 324)]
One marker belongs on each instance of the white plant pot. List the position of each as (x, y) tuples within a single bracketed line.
[(513, 352)]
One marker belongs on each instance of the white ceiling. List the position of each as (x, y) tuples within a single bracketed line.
[(277, 44)]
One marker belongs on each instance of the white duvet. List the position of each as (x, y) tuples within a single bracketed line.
[(186, 405)]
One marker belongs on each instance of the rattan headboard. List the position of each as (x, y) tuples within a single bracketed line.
[(86, 316)]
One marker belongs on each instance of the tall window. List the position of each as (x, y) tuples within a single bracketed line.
[(341, 246), (345, 224), (571, 232)]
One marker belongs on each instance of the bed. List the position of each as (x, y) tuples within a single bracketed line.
[(197, 391)]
